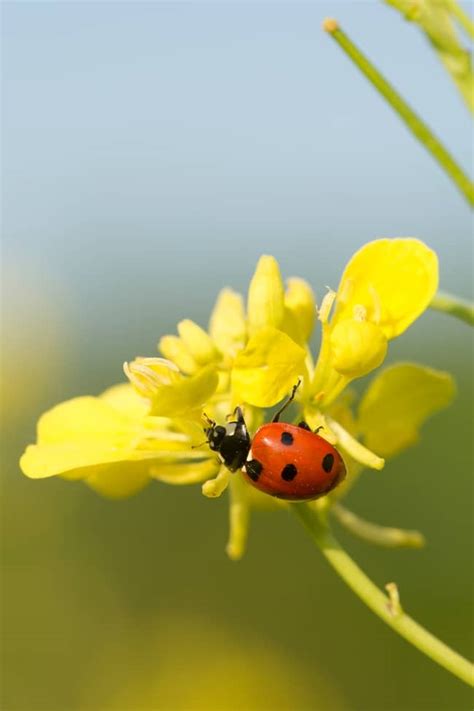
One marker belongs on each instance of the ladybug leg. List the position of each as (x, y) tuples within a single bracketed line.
[(304, 425), (238, 415), (285, 404), (318, 428)]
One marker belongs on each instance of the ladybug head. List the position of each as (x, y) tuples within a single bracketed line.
[(215, 434), (232, 442)]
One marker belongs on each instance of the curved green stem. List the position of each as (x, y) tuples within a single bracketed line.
[(385, 536), (416, 125), (454, 306), (381, 604)]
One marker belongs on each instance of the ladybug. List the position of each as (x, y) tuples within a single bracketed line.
[(287, 461)]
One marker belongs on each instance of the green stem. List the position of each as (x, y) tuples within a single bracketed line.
[(454, 306), (416, 125), (385, 536), (463, 19), (377, 601)]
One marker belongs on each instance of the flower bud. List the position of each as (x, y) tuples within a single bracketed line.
[(357, 347), (173, 348), (198, 342), (265, 304), (227, 326), (300, 302)]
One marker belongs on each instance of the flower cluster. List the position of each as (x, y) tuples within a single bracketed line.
[(252, 355)]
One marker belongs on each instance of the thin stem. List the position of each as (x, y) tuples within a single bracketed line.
[(416, 125), (454, 306), (436, 19), (385, 536), (377, 601), (354, 448), (463, 19)]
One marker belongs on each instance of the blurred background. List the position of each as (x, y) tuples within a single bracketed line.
[(152, 151)]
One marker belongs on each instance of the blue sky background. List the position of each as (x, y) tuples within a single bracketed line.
[(164, 146)]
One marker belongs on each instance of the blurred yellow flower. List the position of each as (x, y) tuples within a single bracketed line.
[(252, 357)]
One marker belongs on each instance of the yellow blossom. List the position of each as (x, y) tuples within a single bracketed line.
[(300, 310), (397, 403), (267, 368), (357, 347), (394, 280), (266, 297), (153, 428), (110, 442), (227, 326), (386, 285), (197, 341)]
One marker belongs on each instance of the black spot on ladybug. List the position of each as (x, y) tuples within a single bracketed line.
[(328, 461), (289, 472), (286, 438), (253, 469)]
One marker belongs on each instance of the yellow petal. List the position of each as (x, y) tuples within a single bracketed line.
[(266, 370), (124, 398), (186, 395), (301, 306), (266, 297), (185, 472), (84, 419), (341, 411), (393, 279), (227, 324), (117, 481), (45, 460), (87, 432), (354, 448), (174, 349), (397, 403), (198, 342), (213, 488), (357, 347)]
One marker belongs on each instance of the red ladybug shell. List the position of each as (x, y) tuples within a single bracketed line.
[(296, 464)]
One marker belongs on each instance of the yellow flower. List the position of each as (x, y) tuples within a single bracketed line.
[(112, 444), (386, 285), (252, 357)]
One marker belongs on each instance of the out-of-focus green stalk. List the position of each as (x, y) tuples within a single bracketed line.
[(463, 19), (416, 125), (436, 19), (454, 306), (386, 607)]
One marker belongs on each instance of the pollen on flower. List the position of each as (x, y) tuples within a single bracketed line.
[(326, 306), (148, 374), (360, 313)]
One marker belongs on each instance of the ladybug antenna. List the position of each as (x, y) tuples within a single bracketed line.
[(196, 446), (276, 417)]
